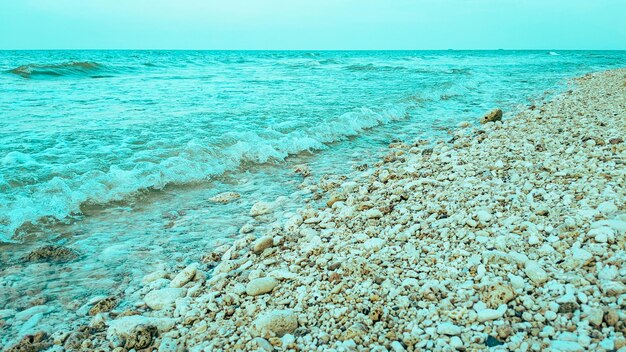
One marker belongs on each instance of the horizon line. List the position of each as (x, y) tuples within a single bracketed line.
[(188, 49)]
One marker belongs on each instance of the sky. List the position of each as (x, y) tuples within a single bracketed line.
[(308, 25)]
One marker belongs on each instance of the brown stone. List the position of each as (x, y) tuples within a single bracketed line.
[(53, 254), (140, 337), (103, 305), (492, 116)]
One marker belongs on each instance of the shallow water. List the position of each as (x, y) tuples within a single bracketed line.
[(115, 153)]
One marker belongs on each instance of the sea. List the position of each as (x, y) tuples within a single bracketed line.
[(116, 154)]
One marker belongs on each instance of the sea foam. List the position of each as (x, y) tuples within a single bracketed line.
[(63, 195)]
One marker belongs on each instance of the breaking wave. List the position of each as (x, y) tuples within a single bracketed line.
[(62, 196), (74, 68)]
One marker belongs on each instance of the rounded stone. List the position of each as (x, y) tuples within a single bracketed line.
[(261, 285)]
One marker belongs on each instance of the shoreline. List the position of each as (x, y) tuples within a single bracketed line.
[(492, 238)]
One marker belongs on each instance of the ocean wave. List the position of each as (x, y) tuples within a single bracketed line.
[(63, 196), (74, 68), (418, 69), (299, 63), (460, 71), (373, 67)]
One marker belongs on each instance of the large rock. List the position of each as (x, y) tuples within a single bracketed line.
[(165, 297), (492, 116), (276, 322)]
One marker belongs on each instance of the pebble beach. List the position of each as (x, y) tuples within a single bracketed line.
[(509, 235)]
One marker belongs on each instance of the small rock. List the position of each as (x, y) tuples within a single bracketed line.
[(373, 214), (261, 285), (611, 318), (263, 344), (492, 341), (616, 140), (498, 294), (607, 208), (483, 216), (302, 169), (492, 116), (334, 198), (287, 340), (159, 299), (569, 346), (374, 244), (396, 346), (140, 337), (457, 343), (278, 322), (578, 258), (612, 288), (74, 340), (607, 344), (104, 305), (225, 197), (448, 329), (261, 208), (568, 307), (247, 228), (262, 244), (595, 316), (184, 276), (168, 345), (490, 314), (517, 281), (148, 278), (535, 272), (137, 328)]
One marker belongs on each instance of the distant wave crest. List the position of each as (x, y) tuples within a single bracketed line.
[(74, 68), (374, 67)]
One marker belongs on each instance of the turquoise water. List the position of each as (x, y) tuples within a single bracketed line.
[(115, 153), (94, 127)]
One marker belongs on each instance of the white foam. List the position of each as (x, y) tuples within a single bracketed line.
[(64, 195)]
